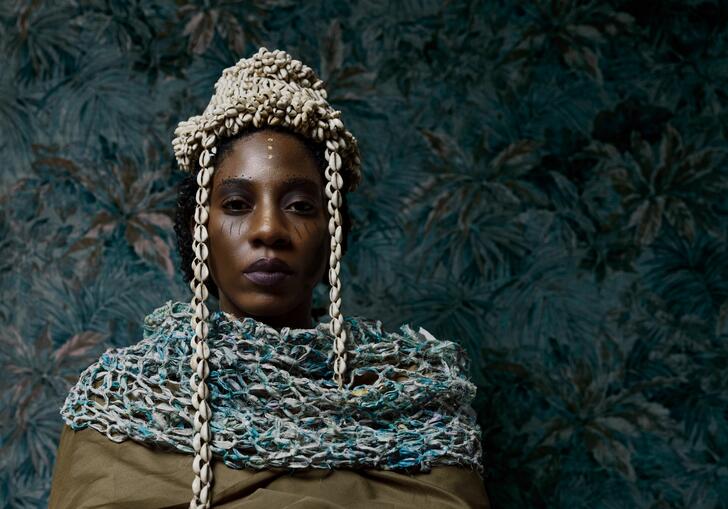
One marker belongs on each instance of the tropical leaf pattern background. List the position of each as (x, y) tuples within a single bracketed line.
[(545, 182)]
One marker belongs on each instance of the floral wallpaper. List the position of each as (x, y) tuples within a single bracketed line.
[(545, 182)]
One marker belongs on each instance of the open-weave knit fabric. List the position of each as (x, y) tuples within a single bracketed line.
[(274, 401)]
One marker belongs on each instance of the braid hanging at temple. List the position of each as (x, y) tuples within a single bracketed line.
[(270, 88)]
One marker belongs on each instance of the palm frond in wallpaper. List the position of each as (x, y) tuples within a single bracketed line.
[(545, 182)]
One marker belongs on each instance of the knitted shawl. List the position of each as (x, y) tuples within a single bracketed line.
[(274, 403)]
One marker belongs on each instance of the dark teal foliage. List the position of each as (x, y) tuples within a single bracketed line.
[(545, 182)]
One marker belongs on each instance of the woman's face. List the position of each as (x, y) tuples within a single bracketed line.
[(268, 202)]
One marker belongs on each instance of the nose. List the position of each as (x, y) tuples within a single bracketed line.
[(268, 226)]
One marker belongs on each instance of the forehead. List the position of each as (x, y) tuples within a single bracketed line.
[(268, 156)]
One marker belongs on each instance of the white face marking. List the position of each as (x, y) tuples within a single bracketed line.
[(270, 147)]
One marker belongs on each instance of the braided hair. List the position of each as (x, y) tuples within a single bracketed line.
[(268, 89)]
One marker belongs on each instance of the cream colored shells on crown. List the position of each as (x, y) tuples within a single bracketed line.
[(269, 89)]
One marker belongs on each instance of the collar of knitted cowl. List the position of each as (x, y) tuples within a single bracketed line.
[(273, 400)]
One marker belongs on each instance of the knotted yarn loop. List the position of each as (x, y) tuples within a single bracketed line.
[(272, 392)]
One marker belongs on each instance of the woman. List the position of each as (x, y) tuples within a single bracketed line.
[(296, 413)]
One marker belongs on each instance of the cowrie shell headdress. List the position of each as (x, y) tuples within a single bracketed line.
[(268, 89)]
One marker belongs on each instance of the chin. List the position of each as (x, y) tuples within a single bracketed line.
[(264, 304)]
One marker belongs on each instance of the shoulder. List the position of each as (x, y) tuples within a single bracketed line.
[(121, 375), (432, 368), (409, 341), (93, 471), (77, 469)]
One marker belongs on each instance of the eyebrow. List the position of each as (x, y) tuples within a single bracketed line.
[(289, 183)]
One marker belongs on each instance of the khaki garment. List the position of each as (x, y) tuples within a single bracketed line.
[(93, 472)]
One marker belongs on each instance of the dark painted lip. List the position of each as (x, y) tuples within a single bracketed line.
[(265, 278), (268, 265)]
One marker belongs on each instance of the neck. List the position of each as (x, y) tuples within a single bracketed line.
[(297, 318)]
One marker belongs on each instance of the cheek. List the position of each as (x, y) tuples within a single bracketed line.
[(224, 239), (224, 228), (315, 243)]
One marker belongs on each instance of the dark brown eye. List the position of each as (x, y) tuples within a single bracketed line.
[(235, 204), (302, 206)]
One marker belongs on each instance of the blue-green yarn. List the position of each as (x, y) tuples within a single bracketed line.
[(274, 402)]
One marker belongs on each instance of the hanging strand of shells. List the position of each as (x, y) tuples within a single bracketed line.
[(202, 483), (268, 89)]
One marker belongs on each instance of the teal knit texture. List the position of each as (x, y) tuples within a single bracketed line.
[(406, 406)]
